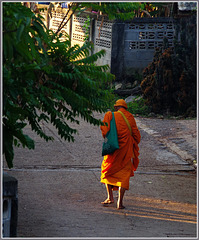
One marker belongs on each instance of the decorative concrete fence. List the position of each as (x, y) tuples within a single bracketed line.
[(100, 30), (129, 45), (134, 43)]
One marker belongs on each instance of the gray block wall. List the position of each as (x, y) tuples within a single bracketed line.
[(117, 53), (134, 43)]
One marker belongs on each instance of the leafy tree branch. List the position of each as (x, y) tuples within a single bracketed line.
[(46, 81)]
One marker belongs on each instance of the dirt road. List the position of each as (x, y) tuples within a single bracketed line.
[(59, 187)]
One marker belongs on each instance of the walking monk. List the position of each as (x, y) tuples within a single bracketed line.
[(118, 167)]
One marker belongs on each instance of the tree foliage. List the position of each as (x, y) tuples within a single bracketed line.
[(116, 10), (46, 80), (113, 10)]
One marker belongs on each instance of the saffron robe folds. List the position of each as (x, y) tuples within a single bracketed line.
[(117, 168)]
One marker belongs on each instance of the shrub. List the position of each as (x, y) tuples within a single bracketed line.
[(139, 107), (169, 84)]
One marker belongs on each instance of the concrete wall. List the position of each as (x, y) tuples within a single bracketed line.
[(117, 55), (134, 43), (100, 30), (103, 39), (100, 35), (129, 45)]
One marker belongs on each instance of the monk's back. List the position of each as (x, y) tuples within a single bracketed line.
[(122, 128)]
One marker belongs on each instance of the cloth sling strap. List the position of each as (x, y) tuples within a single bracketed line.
[(127, 122), (130, 129)]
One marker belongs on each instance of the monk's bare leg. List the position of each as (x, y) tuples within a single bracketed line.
[(120, 198), (110, 192), (110, 195)]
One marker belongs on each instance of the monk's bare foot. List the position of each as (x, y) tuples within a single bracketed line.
[(121, 207), (107, 201)]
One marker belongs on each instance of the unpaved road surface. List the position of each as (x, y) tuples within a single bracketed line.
[(59, 187)]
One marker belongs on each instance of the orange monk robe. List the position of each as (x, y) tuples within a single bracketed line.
[(117, 168)]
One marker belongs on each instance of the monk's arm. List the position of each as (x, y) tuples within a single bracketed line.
[(107, 119), (135, 131)]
